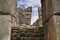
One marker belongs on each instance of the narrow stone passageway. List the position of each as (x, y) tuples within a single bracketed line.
[(29, 19)]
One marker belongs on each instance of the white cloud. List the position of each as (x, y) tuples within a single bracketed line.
[(34, 15), (33, 19)]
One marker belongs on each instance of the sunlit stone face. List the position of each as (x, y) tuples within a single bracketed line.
[(5, 26)]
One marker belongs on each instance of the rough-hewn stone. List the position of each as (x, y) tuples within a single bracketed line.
[(56, 6), (7, 6), (5, 25), (57, 26)]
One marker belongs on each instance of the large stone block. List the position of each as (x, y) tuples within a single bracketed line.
[(56, 6), (57, 26), (7, 6), (5, 26), (4, 6)]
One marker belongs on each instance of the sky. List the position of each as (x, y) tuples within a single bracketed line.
[(34, 3)]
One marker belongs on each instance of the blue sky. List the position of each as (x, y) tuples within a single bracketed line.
[(27, 3), (34, 3)]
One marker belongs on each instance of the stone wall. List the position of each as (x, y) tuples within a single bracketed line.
[(56, 9), (40, 17), (57, 26), (8, 18), (5, 27), (7, 6), (15, 19), (56, 6)]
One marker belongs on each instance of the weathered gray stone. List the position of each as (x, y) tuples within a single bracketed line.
[(56, 6), (57, 26), (15, 20), (5, 26), (4, 6)]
